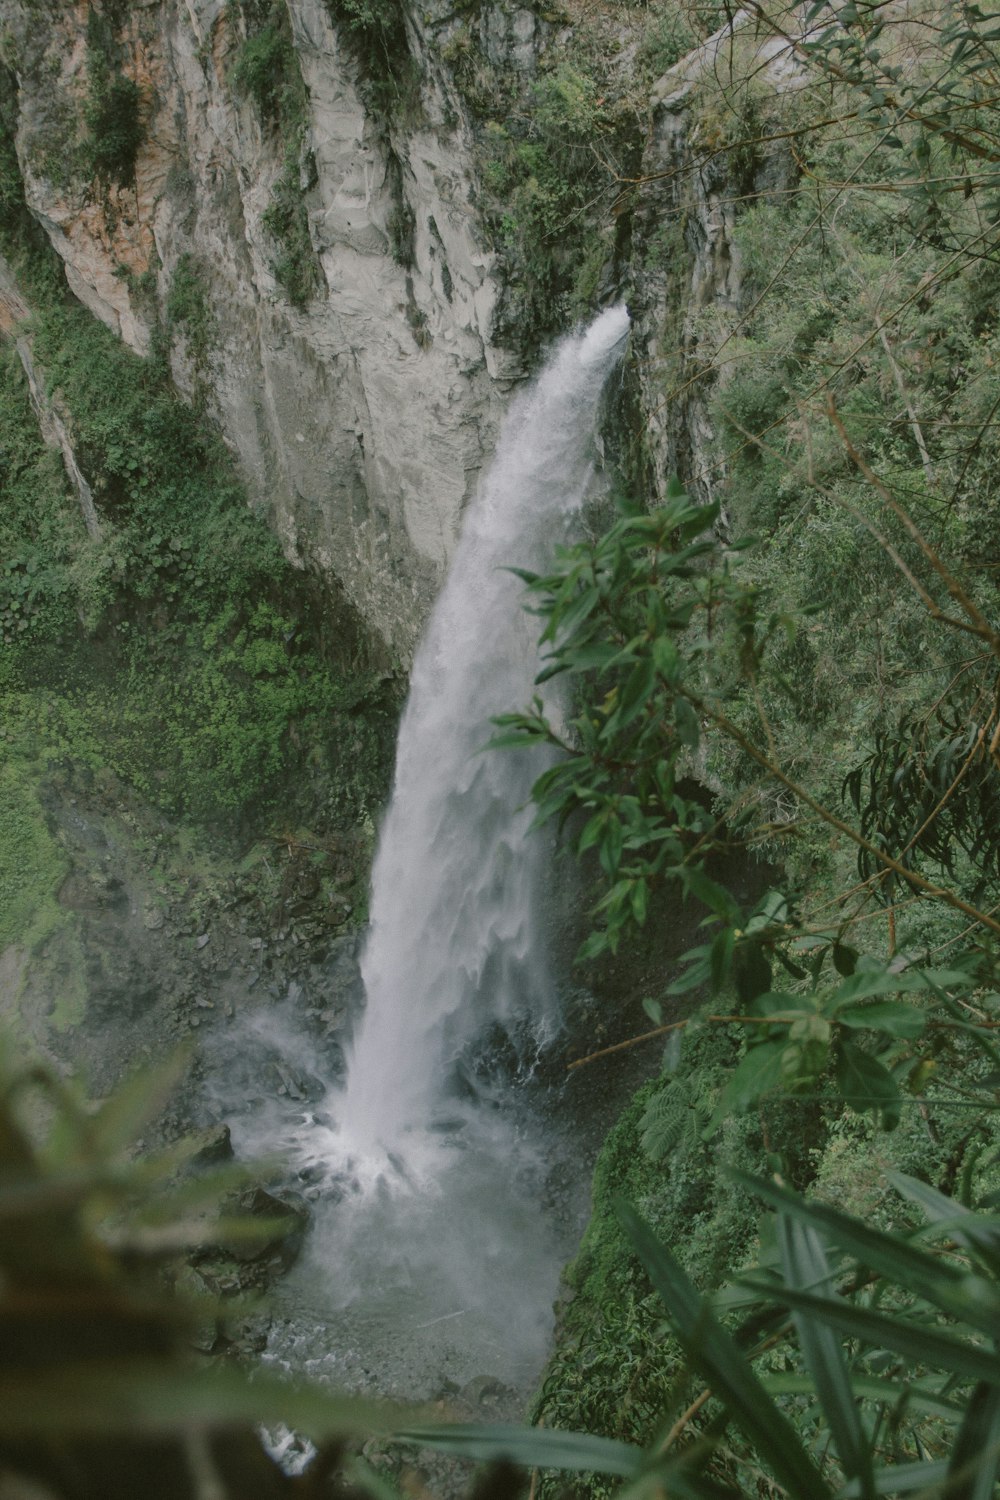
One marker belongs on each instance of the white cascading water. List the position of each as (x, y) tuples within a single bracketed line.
[(456, 937), (435, 1251)]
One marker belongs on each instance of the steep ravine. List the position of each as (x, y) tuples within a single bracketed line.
[(359, 417)]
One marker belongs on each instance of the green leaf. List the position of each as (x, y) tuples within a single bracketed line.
[(975, 1455), (96, 1397), (894, 1018), (564, 622), (121, 1117), (924, 1345), (751, 971), (593, 831), (845, 959), (867, 1084), (711, 1350), (515, 739), (721, 956), (640, 901), (686, 722), (533, 1447), (666, 658), (758, 1073), (709, 892), (699, 518), (592, 947), (610, 849), (805, 1267), (899, 1261), (872, 1388), (976, 1232), (587, 658), (902, 1479), (634, 696)]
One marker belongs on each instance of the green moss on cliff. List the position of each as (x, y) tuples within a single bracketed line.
[(177, 646)]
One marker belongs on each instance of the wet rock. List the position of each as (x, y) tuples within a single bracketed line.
[(285, 1242), (246, 1337), (215, 1147)]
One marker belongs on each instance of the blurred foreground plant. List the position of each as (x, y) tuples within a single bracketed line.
[(101, 1395)]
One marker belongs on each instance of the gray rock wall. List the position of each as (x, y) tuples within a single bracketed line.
[(361, 420)]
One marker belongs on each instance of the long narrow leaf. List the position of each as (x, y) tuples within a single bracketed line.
[(870, 1388), (916, 1341), (975, 1231), (975, 1458), (130, 1396), (675, 1480), (903, 1479), (534, 1447), (945, 1286), (805, 1267), (711, 1350), (121, 1117)]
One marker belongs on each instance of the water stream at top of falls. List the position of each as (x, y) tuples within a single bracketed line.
[(443, 1205)]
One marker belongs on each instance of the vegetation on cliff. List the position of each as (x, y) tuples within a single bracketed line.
[(833, 677), (168, 640)]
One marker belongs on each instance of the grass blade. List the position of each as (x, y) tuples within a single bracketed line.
[(805, 1266), (975, 1231), (925, 1476), (147, 1395), (973, 1300), (975, 1458), (533, 1447), (718, 1358), (917, 1342)]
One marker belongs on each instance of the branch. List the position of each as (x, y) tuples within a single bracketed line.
[(979, 625), (940, 893)]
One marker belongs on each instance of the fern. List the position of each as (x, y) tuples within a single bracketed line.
[(672, 1117)]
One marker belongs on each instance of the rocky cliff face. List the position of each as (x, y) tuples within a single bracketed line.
[(363, 397), (689, 291), (360, 418)]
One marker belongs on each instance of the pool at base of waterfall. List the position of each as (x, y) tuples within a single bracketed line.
[(424, 1274)]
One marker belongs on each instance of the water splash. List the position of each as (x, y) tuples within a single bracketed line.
[(456, 940)]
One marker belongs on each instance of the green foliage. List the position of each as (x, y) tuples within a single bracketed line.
[(667, 39), (96, 1372), (40, 525), (199, 676), (375, 30), (659, 634), (112, 110), (545, 174), (889, 1434), (634, 617), (31, 862), (187, 308), (286, 217), (267, 71), (902, 782)]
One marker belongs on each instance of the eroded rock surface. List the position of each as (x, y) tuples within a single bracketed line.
[(360, 419)]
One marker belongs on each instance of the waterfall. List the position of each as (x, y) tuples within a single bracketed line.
[(456, 941), (443, 1204)]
